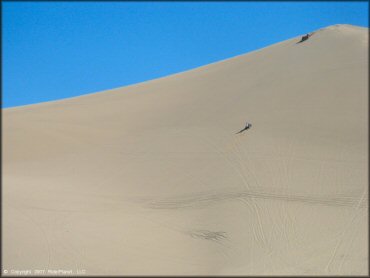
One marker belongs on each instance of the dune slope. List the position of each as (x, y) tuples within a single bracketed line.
[(153, 179)]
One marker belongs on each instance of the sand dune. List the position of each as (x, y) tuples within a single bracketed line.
[(152, 179)]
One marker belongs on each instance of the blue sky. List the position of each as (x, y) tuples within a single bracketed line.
[(55, 50)]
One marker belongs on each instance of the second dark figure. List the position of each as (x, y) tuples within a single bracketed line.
[(247, 126)]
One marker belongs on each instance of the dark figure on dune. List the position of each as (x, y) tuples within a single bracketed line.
[(305, 37), (247, 126)]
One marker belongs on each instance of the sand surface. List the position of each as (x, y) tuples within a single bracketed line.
[(151, 179)]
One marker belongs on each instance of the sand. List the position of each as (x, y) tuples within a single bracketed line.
[(152, 179)]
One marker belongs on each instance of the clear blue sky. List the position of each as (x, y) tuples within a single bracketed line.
[(54, 50)]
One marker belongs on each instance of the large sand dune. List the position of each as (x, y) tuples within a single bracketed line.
[(153, 179)]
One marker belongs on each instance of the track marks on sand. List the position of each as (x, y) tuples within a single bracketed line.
[(348, 228), (259, 233), (208, 235), (212, 198)]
